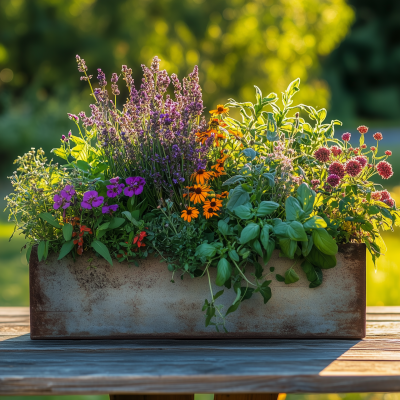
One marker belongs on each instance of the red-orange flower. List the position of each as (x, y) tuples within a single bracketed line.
[(138, 239), (220, 110)]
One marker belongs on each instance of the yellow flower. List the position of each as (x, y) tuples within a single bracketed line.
[(214, 204), (199, 193), (223, 195), (209, 212), (201, 176), (189, 213), (220, 110)]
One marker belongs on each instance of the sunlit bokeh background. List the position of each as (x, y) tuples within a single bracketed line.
[(347, 54)]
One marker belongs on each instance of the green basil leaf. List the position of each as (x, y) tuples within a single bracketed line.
[(264, 236), (65, 249), (324, 242), (102, 250), (281, 228), (318, 280), (205, 250), (321, 260), (296, 232), (50, 219), (250, 232), (224, 228), (234, 306), (280, 278), (67, 231), (265, 291), (103, 227), (307, 246), (266, 207), (291, 276), (233, 255), (306, 197), (224, 271), (237, 197), (315, 222), (309, 270), (288, 247), (216, 295), (257, 248), (243, 212), (116, 223), (246, 292), (293, 209), (270, 249)]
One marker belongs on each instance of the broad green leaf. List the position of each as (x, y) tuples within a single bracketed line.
[(65, 249), (265, 291), (67, 232), (257, 248), (243, 212), (288, 247), (237, 197), (322, 115), (293, 209), (28, 253), (324, 242), (116, 223), (224, 271), (318, 280), (83, 165), (321, 260), (281, 228), (264, 236), (205, 250), (270, 249), (127, 214), (280, 278), (307, 246), (291, 276), (266, 207), (46, 250), (296, 232), (41, 249), (102, 250), (60, 153), (306, 197), (309, 270), (249, 153), (224, 228), (270, 178), (103, 227), (315, 222), (233, 180), (50, 219), (250, 232), (233, 255)]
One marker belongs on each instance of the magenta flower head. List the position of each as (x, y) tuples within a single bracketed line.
[(336, 168), (61, 201), (362, 160), (377, 136), (333, 180), (115, 189), (384, 195), (346, 136), (109, 209), (384, 169), (389, 202), (322, 154), (353, 167), (362, 129), (91, 199), (134, 186), (73, 117), (336, 151)]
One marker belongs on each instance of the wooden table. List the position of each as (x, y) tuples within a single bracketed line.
[(150, 367)]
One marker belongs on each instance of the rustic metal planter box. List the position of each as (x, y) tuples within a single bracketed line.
[(91, 299)]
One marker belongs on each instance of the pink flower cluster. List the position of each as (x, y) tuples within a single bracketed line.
[(383, 196)]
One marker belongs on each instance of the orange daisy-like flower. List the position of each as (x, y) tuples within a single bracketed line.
[(199, 193), (220, 110), (209, 212), (214, 204), (203, 136), (223, 195), (190, 189), (238, 135), (190, 213), (201, 176), (218, 137), (219, 166)]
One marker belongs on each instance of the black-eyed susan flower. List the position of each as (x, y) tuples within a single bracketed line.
[(203, 136), (220, 110), (199, 194), (201, 176), (223, 195), (209, 212), (190, 213), (215, 204)]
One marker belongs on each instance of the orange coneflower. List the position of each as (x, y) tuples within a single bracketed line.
[(220, 110), (209, 212), (190, 190), (199, 193), (189, 213), (203, 136), (219, 166), (214, 204), (201, 176), (223, 195)]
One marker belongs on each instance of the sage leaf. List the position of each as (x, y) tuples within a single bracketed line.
[(249, 153), (250, 232), (324, 242), (293, 209), (270, 178), (296, 231), (102, 250), (315, 222), (65, 249), (266, 207), (237, 197), (243, 212), (224, 271), (67, 231)]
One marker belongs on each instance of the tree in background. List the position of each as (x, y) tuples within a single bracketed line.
[(364, 72), (236, 43)]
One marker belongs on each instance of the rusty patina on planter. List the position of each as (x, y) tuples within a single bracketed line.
[(70, 300)]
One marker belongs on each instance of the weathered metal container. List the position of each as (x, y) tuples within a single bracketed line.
[(90, 299)]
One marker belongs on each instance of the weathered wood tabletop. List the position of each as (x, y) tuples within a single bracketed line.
[(199, 366)]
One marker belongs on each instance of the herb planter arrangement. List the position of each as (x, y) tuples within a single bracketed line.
[(158, 219)]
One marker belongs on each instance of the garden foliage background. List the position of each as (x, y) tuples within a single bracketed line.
[(347, 54)]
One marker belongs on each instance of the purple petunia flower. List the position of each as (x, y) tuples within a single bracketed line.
[(109, 209), (68, 191), (91, 199), (134, 186), (115, 189), (61, 201)]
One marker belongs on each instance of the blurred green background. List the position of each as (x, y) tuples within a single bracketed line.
[(347, 54)]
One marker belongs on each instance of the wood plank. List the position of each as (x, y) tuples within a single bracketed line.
[(383, 310)]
